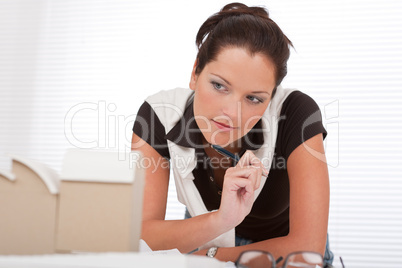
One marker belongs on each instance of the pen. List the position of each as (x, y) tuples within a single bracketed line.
[(226, 153)]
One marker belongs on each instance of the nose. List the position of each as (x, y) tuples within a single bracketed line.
[(232, 109)]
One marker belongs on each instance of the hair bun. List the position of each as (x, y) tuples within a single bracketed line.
[(229, 10), (239, 8)]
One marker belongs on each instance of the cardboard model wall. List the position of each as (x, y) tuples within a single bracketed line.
[(100, 203), (28, 208), (95, 206)]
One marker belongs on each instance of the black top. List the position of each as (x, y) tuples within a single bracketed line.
[(300, 120)]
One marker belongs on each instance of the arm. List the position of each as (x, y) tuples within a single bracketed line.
[(187, 235), (309, 205)]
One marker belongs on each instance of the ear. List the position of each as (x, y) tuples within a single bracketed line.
[(194, 77)]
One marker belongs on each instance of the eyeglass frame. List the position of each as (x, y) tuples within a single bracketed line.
[(275, 262)]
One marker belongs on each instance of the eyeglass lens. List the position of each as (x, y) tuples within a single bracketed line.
[(304, 260), (255, 259)]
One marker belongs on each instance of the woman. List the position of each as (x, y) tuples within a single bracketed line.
[(276, 198)]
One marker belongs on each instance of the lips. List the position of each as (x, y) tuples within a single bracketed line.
[(223, 126)]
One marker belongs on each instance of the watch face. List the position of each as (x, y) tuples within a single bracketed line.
[(212, 252)]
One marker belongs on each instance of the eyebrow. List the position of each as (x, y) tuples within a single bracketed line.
[(227, 82), (261, 92)]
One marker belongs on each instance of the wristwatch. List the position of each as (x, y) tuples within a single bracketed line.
[(211, 252)]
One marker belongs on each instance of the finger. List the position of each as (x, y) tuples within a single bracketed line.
[(250, 173), (244, 160), (244, 172), (240, 185), (247, 192), (256, 162), (259, 174), (249, 159)]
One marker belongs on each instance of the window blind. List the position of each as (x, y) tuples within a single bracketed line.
[(74, 73)]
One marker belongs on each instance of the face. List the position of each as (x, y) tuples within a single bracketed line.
[(231, 94)]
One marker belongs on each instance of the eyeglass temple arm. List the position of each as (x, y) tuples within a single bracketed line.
[(330, 266), (278, 260)]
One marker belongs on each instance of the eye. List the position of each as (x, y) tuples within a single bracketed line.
[(255, 100), (218, 86)]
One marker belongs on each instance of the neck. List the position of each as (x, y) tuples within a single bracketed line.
[(233, 147)]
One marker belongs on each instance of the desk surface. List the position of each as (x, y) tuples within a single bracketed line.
[(106, 260)]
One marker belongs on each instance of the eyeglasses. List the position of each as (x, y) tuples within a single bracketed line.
[(263, 259)]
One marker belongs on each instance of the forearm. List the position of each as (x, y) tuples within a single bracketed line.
[(185, 235), (280, 246)]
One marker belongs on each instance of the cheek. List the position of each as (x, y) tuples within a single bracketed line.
[(203, 109), (205, 102), (249, 119), (203, 98)]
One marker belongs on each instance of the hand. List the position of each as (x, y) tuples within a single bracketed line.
[(239, 185)]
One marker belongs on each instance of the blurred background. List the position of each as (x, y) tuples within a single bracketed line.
[(74, 73)]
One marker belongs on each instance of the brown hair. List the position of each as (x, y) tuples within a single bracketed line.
[(238, 25)]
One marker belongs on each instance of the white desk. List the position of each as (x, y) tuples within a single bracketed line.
[(109, 260)]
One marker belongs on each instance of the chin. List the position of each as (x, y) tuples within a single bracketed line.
[(221, 139)]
